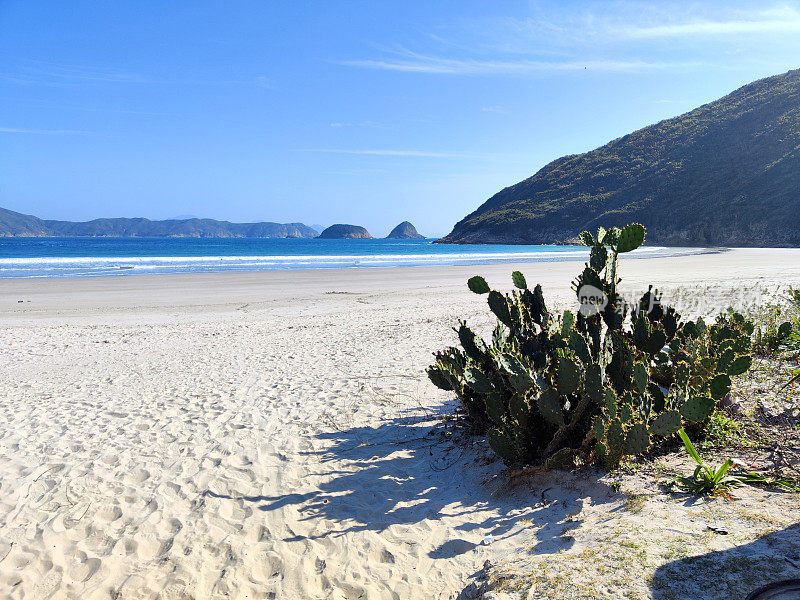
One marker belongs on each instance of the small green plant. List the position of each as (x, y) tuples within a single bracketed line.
[(556, 389), (795, 377), (778, 327), (792, 339), (794, 297), (706, 480), (721, 431)]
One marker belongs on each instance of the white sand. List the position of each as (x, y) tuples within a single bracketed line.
[(258, 436)]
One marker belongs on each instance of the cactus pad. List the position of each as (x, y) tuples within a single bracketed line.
[(697, 408), (478, 285), (503, 446), (594, 383), (496, 408), (478, 381), (611, 402), (666, 423), (640, 377), (519, 280), (568, 376), (518, 408), (625, 412), (578, 345), (740, 365), (561, 459), (682, 374), (720, 386), (641, 332), (598, 258), (638, 440), (615, 440), (439, 379), (601, 451), (550, 407), (630, 238), (598, 428), (499, 306), (567, 322), (656, 341), (473, 345)]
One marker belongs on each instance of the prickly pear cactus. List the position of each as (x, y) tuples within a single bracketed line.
[(595, 384)]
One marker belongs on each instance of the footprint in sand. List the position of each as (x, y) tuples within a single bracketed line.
[(259, 533), (136, 476), (174, 591), (385, 556), (266, 565), (150, 546), (48, 584), (234, 511), (351, 591), (169, 528), (109, 513), (83, 570), (124, 547)]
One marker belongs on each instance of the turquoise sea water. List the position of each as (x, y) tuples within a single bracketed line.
[(86, 257)]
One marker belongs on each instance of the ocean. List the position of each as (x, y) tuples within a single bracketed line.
[(91, 257)]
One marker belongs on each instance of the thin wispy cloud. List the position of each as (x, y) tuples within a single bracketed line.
[(554, 38), (45, 131), (774, 21), (556, 30), (450, 66)]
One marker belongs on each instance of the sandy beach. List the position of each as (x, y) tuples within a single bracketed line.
[(268, 435)]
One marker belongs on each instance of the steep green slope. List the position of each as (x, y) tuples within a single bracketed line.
[(16, 224), (725, 174)]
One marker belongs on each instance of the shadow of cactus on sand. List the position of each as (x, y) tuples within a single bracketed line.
[(407, 479), (733, 573)]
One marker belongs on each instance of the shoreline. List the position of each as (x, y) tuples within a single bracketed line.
[(22, 299), (123, 263)]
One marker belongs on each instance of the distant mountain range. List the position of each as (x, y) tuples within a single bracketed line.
[(14, 224), (724, 174)]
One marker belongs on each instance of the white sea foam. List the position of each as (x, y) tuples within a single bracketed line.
[(83, 266)]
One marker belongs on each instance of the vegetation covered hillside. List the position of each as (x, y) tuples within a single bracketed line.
[(341, 231), (724, 174), (14, 224), (404, 231)]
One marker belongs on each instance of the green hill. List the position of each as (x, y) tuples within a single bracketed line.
[(724, 174), (404, 231), (14, 224), (341, 231)]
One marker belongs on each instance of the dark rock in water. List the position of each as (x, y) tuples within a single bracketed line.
[(345, 232), (405, 231), (724, 174)]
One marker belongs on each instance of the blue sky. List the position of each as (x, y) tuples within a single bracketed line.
[(358, 112)]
